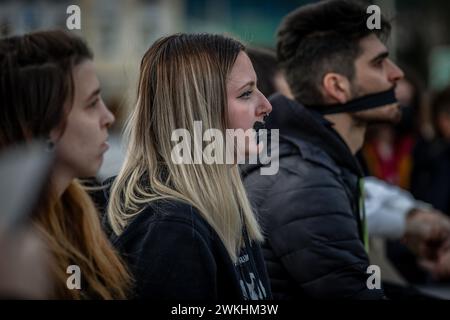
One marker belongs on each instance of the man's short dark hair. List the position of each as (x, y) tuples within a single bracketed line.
[(319, 38)]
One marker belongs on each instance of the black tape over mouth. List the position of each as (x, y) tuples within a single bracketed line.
[(257, 126), (366, 102)]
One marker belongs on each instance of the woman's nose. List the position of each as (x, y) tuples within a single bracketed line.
[(108, 118), (265, 106)]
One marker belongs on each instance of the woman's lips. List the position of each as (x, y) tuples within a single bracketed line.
[(104, 147)]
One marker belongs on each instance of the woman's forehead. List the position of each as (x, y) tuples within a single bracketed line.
[(242, 71)]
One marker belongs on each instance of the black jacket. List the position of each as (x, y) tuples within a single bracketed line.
[(309, 210), (175, 255), (430, 179)]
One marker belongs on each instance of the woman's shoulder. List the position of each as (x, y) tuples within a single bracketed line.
[(161, 211), (165, 210), (169, 212)]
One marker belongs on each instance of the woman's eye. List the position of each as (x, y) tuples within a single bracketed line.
[(93, 103), (246, 94)]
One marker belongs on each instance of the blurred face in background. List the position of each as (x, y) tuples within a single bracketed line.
[(81, 146), (246, 104), (443, 125), (282, 86), (404, 91)]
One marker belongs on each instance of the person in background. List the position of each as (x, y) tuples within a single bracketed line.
[(270, 77), (49, 91), (387, 151), (431, 172)]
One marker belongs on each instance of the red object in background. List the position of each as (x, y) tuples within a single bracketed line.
[(390, 162)]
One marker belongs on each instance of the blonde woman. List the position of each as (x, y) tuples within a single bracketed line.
[(186, 229), (49, 90)]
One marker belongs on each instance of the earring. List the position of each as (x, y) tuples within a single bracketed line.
[(50, 145)]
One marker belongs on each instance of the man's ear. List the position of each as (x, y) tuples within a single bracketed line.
[(336, 88)]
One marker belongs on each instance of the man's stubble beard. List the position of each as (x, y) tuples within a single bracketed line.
[(383, 114)]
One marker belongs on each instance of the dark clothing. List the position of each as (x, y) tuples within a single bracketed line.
[(309, 210), (174, 254), (430, 181)]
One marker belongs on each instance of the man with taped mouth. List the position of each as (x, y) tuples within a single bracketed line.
[(312, 212)]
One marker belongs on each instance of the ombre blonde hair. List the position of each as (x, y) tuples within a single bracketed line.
[(183, 79)]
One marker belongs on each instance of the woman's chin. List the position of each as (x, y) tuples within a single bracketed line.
[(254, 149), (251, 151)]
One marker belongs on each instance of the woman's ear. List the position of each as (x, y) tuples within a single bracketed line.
[(54, 135), (51, 140), (336, 88)]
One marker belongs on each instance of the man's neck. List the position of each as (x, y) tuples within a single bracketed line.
[(351, 132)]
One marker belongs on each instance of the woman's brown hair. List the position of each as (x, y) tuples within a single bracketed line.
[(35, 86)]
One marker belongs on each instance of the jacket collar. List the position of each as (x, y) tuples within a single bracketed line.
[(311, 133)]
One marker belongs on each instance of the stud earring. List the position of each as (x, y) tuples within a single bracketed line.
[(50, 145)]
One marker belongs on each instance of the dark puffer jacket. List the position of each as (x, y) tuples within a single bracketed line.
[(309, 210)]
